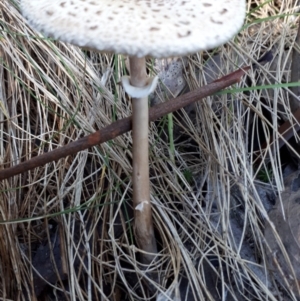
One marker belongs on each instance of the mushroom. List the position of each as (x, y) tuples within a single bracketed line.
[(139, 28)]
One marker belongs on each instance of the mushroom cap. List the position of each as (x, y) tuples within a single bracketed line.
[(158, 28)]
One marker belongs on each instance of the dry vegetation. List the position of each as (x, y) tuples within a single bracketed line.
[(209, 206)]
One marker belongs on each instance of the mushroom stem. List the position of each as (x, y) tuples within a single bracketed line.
[(144, 231)]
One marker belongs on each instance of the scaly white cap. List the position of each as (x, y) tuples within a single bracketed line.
[(157, 28)]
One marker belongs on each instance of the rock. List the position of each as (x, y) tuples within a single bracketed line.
[(282, 235)]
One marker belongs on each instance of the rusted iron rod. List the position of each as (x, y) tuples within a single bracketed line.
[(124, 125)]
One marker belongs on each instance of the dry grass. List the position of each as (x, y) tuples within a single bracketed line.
[(52, 94)]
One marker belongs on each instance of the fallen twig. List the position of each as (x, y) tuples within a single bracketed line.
[(285, 132), (124, 125), (288, 129)]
